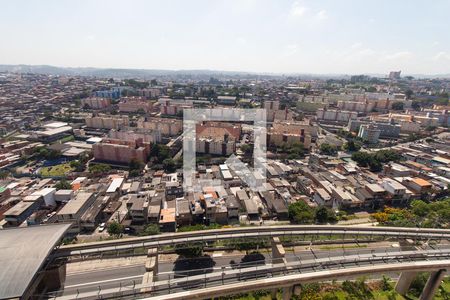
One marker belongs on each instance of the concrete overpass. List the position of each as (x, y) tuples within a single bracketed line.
[(282, 273), (278, 272), (310, 232)]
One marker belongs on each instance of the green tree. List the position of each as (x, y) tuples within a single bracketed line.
[(247, 149), (409, 93), (352, 146), (357, 289), (300, 213), (135, 165), (325, 215), (328, 149), (115, 229), (98, 169), (169, 165), (150, 229), (159, 152), (63, 184), (77, 165)]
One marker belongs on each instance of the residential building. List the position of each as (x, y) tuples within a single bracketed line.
[(95, 102), (120, 151), (135, 104), (369, 133), (166, 126), (107, 122), (75, 208)]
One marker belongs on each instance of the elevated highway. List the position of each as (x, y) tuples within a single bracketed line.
[(311, 232), (274, 274)]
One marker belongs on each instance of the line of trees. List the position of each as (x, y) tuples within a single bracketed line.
[(375, 160)]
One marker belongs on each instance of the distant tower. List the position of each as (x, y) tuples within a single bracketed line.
[(394, 75)]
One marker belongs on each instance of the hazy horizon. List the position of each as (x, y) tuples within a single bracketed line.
[(272, 37)]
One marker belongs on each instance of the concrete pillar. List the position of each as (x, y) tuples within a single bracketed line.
[(278, 253), (273, 293), (287, 292), (151, 264), (432, 285), (151, 269), (54, 277), (297, 290), (404, 282)]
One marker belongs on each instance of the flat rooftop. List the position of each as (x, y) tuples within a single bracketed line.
[(24, 251)]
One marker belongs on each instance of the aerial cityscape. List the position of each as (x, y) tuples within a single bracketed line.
[(203, 159)]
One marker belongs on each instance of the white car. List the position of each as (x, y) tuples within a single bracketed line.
[(101, 227)]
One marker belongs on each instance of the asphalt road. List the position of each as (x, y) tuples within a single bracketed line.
[(127, 276)]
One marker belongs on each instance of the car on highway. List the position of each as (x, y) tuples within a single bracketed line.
[(102, 227)]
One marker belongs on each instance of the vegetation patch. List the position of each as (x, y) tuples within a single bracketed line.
[(57, 170)]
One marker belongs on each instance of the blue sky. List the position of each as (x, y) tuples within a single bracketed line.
[(340, 36)]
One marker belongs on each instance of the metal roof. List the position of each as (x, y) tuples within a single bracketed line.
[(24, 251)]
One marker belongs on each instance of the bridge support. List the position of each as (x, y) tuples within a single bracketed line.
[(287, 292), (404, 281), (273, 293), (151, 269), (432, 284), (278, 252)]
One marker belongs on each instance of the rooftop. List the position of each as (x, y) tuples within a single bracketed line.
[(24, 251)]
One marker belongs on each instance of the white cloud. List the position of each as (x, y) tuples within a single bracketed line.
[(356, 45), (290, 50), (441, 56), (297, 10), (241, 40), (399, 55), (322, 15)]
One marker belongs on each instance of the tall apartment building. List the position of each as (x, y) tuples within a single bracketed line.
[(167, 127), (387, 129), (132, 134), (393, 75), (369, 133), (217, 138), (121, 151), (336, 115), (134, 104), (216, 147), (96, 102), (113, 93), (107, 121), (275, 113), (173, 107), (150, 93), (410, 117), (292, 132)]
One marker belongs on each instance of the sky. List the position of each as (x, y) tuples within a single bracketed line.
[(274, 36)]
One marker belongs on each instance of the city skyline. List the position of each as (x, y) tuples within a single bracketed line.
[(292, 37)]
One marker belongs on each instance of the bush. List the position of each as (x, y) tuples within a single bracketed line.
[(63, 185), (300, 213), (328, 149), (151, 229), (115, 229), (97, 169), (357, 289)]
